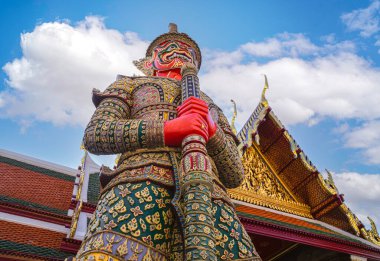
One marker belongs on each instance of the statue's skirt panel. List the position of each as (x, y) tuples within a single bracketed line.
[(136, 221)]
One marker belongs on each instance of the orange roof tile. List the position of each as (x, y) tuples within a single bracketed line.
[(30, 235), (32, 186), (281, 218)]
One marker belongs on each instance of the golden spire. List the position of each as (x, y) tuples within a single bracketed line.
[(373, 227), (234, 118), (263, 100), (330, 177), (75, 219), (330, 184), (82, 172)]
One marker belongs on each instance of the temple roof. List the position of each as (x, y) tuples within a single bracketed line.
[(267, 222), (281, 177), (35, 185), (35, 196), (29, 242)]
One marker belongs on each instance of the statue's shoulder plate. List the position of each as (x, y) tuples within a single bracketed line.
[(215, 111), (120, 89), (207, 99), (160, 82), (126, 88)]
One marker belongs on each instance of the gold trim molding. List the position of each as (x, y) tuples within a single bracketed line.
[(295, 208)]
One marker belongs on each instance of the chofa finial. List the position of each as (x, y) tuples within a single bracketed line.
[(234, 118), (173, 28), (263, 100)]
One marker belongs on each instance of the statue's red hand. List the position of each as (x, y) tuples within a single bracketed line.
[(195, 105), (176, 130)]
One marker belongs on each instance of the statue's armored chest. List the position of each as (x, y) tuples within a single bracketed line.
[(154, 98)]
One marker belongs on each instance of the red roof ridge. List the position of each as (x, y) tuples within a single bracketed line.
[(271, 213)]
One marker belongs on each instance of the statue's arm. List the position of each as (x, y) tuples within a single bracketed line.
[(223, 150), (111, 130)]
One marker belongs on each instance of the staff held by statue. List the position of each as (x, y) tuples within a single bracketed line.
[(195, 180)]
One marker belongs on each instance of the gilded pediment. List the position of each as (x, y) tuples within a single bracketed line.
[(260, 179), (261, 186)]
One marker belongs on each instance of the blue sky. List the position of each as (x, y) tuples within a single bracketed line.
[(321, 58)]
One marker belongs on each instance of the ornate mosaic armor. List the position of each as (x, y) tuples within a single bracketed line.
[(135, 219)]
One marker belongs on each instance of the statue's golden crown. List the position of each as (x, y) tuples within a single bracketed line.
[(173, 34)]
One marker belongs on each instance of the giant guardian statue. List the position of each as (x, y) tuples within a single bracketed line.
[(166, 199)]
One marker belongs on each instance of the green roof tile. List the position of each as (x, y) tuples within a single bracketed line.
[(34, 250), (21, 202), (300, 228)]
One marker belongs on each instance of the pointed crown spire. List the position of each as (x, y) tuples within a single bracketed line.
[(173, 28)]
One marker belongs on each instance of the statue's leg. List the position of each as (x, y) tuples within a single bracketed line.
[(232, 241), (132, 221)]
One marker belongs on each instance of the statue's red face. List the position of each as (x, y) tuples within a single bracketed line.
[(169, 56)]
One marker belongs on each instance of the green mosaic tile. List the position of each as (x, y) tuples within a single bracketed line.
[(93, 188)]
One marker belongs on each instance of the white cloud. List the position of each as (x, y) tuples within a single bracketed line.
[(367, 137), (307, 82), (342, 129), (330, 38), (285, 44), (365, 20), (361, 194), (341, 85), (220, 58), (61, 63)]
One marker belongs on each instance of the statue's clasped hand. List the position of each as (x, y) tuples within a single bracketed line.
[(193, 118), (196, 105), (176, 130)]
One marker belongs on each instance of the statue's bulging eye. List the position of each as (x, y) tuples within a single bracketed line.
[(172, 46)]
